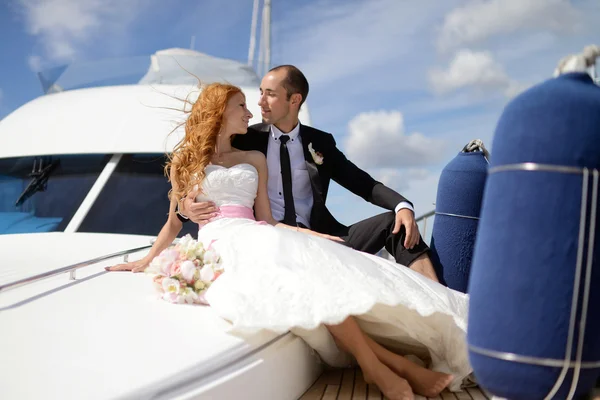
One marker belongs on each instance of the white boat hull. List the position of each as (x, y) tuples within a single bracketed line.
[(108, 335)]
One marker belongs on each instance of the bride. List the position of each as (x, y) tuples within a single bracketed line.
[(278, 277)]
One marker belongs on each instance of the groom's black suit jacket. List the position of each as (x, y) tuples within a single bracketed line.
[(335, 166)]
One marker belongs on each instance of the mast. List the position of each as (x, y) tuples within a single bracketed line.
[(267, 38), (251, 49), (264, 47)]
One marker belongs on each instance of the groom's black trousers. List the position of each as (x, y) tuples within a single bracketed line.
[(373, 234)]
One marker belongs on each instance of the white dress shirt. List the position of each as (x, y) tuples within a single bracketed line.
[(301, 188)]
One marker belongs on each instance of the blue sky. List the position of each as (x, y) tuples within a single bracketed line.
[(402, 85)]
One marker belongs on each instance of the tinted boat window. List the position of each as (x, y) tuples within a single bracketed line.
[(134, 200), (49, 209)]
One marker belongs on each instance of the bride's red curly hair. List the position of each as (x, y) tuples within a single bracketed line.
[(193, 153)]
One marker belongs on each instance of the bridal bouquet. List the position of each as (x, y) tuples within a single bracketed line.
[(185, 271)]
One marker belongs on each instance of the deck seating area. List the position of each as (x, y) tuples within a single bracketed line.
[(348, 384)]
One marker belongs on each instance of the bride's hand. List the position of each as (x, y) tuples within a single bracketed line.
[(134, 266)]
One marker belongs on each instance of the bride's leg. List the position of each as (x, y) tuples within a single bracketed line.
[(349, 335), (423, 381)]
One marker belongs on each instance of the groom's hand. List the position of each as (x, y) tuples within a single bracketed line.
[(198, 212), (407, 218)]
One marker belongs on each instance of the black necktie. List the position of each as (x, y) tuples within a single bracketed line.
[(289, 217)]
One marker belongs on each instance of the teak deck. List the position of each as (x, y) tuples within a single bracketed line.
[(348, 384)]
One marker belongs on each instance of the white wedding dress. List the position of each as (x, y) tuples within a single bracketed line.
[(279, 280)]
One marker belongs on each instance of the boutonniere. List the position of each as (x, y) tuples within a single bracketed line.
[(317, 157)]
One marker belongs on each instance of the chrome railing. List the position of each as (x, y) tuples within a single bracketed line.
[(71, 269), (424, 218)]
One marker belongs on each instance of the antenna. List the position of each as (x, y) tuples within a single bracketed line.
[(193, 42)]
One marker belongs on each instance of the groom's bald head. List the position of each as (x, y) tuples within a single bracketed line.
[(283, 90), (293, 81)]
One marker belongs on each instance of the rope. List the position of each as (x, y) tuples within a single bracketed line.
[(578, 62), (477, 145)]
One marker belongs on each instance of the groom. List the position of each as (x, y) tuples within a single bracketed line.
[(302, 161)]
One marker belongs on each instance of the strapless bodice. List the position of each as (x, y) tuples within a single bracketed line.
[(236, 185)]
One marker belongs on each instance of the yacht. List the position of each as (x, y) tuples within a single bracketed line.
[(82, 187)]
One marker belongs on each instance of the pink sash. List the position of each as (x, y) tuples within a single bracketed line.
[(235, 211)]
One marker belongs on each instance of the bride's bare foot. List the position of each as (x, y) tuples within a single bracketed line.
[(391, 385), (424, 381), (430, 383)]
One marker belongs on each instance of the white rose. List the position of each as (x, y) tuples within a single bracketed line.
[(188, 247), (171, 285), (162, 262), (159, 265), (190, 297), (206, 273), (154, 267), (199, 250), (184, 242), (211, 257), (189, 271)]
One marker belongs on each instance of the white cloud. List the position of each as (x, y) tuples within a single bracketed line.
[(377, 139), (469, 68), (480, 20), (475, 69), (400, 179), (62, 26)]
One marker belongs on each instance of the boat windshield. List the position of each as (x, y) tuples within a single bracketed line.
[(43, 193)]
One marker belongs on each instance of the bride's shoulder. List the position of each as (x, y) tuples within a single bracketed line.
[(256, 158), (254, 155)]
